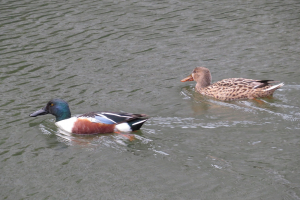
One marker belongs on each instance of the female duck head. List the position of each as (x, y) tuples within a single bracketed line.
[(57, 107), (201, 75)]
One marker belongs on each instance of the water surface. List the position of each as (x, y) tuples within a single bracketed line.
[(130, 56)]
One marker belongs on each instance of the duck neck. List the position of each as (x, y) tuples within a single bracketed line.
[(63, 115), (203, 81)]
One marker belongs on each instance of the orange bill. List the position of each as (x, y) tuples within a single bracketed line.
[(189, 78)]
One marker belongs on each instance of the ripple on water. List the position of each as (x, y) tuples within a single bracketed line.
[(140, 144), (267, 108)]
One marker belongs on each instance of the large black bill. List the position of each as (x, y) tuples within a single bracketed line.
[(39, 112)]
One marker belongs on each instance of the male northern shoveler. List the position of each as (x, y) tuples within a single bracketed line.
[(232, 88), (93, 122)]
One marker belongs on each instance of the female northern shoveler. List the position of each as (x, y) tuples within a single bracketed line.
[(93, 122), (232, 88)]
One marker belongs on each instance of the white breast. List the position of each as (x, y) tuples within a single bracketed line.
[(67, 124)]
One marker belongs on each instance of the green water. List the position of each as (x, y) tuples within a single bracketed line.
[(130, 56)]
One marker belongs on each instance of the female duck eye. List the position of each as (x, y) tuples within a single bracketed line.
[(51, 104)]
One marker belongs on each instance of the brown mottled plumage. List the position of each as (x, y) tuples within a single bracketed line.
[(232, 88)]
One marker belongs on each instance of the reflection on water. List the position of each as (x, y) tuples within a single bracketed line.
[(273, 106), (93, 142), (134, 142)]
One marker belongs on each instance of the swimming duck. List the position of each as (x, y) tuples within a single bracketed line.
[(232, 88), (93, 122)]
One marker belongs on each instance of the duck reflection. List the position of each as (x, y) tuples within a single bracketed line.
[(95, 140)]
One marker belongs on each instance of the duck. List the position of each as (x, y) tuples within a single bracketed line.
[(231, 88), (92, 122)]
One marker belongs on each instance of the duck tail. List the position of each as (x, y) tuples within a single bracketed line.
[(136, 124), (275, 87), (133, 124)]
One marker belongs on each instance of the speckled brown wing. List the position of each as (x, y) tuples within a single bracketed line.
[(237, 88)]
